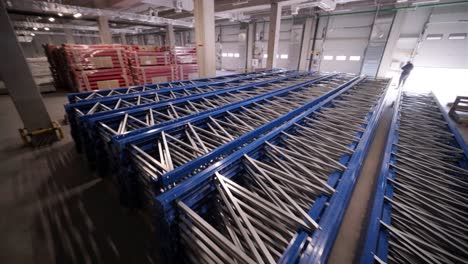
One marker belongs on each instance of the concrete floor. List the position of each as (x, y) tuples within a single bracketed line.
[(56, 210)]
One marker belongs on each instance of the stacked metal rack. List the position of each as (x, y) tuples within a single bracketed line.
[(84, 105), (280, 198), (249, 168), (159, 159), (101, 129), (420, 209)]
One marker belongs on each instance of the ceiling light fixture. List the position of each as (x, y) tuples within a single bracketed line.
[(60, 14), (51, 19), (32, 34), (34, 28), (46, 29), (77, 15)]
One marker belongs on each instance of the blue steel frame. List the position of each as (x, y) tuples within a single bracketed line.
[(76, 125), (177, 173), (92, 140), (121, 147), (376, 241), (72, 96), (325, 236)]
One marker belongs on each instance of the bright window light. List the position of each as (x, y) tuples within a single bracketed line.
[(236, 55), (327, 57), (224, 54), (434, 36), (230, 55), (265, 56), (457, 36), (354, 58), (341, 58), (277, 56), (283, 56)]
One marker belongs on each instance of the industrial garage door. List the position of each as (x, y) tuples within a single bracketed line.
[(345, 41)]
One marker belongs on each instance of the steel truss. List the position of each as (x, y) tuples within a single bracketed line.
[(120, 125), (81, 111), (420, 210), (160, 159), (99, 94), (264, 202)]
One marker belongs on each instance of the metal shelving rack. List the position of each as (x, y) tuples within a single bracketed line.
[(420, 208), (281, 198)]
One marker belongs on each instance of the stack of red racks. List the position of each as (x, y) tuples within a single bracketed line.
[(186, 60), (94, 67), (150, 64), (98, 67)]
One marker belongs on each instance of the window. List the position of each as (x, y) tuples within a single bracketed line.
[(265, 56), (224, 55), (236, 55), (327, 57), (354, 58), (434, 36), (457, 36), (341, 58), (230, 55), (277, 56), (283, 56)]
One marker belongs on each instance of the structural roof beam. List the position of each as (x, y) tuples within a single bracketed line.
[(54, 8)]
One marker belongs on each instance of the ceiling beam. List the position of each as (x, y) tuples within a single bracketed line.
[(54, 8)]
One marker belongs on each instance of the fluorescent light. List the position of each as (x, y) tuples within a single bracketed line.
[(457, 36), (77, 15), (32, 34), (34, 28), (51, 19), (60, 14), (434, 37), (425, 2), (46, 29)]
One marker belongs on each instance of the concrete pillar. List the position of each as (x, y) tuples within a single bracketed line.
[(304, 56), (69, 36), (123, 39), (250, 45), (20, 83), (104, 30), (205, 37), (273, 34), (392, 40), (170, 36)]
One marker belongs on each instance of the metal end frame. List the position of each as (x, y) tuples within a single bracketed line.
[(84, 110), (113, 127), (160, 159), (100, 94), (420, 209), (265, 202)]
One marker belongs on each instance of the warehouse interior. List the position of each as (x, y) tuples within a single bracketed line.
[(234, 131)]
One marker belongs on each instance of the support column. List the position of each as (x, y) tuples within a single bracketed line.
[(305, 44), (104, 30), (387, 57), (123, 39), (250, 45), (69, 36), (170, 37), (205, 37), (273, 34), (20, 83)]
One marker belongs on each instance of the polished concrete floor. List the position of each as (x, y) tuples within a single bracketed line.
[(54, 209)]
